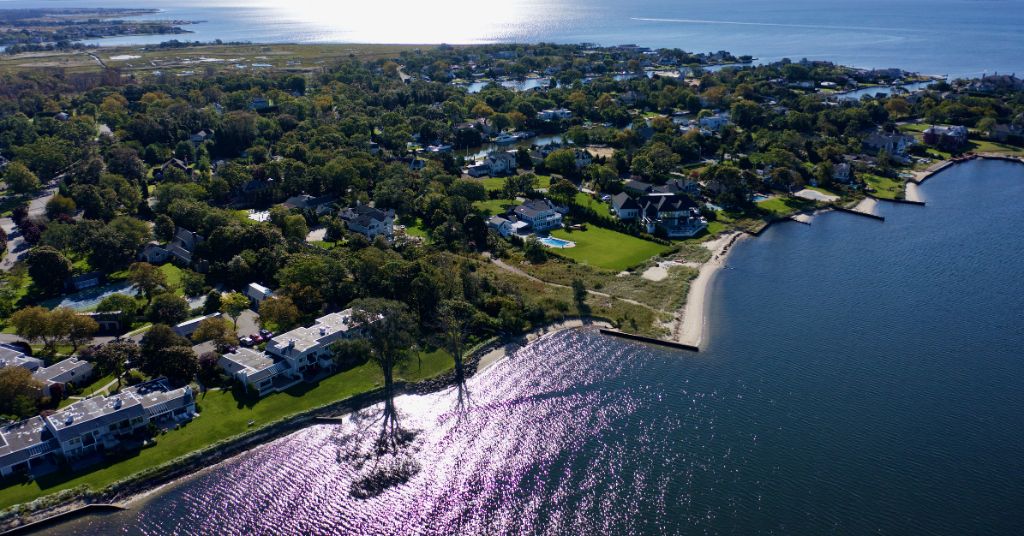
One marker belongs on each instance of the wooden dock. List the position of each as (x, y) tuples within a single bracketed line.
[(649, 340)]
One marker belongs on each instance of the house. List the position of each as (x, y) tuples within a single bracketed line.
[(319, 205), (368, 221), (501, 163), (199, 137), (84, 281), (257, 293), (188, 327), (500, 225), (583, 158), (259, 104), (624, 206), (176, 163), (554, 114), (676, 215), (11, 356), (714, 122), (946, 137), (842, 173), (478, 170), (70, 370), (894, 143), (154, 253), (110, 322), (683, 185), (183, 246), (637, 187), (1004, 133), (257, 371), (307, 349), (91, 426), (541, 214)]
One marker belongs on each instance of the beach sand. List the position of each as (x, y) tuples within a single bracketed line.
[(689, 322), (912, 193), (866, 205)]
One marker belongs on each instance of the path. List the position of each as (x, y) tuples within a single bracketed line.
[(16, 246), (509, 268)]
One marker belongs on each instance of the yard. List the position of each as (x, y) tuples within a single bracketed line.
[(884, 187), (607, 249), (778, 207), (492, 184), (584, 200), (223, 416), (494, 206)]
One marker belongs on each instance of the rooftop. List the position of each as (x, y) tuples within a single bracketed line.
[(70, 364), (323, 332)]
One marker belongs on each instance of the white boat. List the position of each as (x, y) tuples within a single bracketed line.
[(505, 139)]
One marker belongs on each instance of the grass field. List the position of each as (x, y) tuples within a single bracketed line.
[(883, 187), (493, 184), (222, 416), (584, 200), (607, 249), (494, 206), (783, 206)]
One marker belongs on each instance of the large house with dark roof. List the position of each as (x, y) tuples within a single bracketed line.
[(368, 221), (674, 214), (541, 214)]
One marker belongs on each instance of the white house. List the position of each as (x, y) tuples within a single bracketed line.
[(714, 122), (10, 356), (188, 327), (624, 207), (70, 370), (92, 425), (368, 221), (501, 163), (554, 114), (257, 371), (583, 158), (541, 214), (305, 348), (257, 293), (501, 225)]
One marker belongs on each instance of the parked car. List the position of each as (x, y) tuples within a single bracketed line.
[(245, 341), (266, 334), (255, 338)]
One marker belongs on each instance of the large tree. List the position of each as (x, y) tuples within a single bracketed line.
[(454, 318), (279, 313), (18, 392), (148, 279), (20, 179), (48, 268), (232, 304), (115, 356)]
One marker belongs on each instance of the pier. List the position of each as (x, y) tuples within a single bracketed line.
[(649, 340)]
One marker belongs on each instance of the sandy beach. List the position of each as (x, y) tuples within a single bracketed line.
[(689, 322), (911, 193), (866, 205)]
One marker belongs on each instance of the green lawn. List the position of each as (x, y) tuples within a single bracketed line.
[(492, 184), (883, 187), (985, 146), (223, 416), (173, 275), (584, 200), (782, 206), (607, 249), (494, 206)]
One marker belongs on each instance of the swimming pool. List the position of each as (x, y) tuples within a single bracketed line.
[(558, 243), (760, 197)]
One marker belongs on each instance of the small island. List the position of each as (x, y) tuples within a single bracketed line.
[(260, 234), (48, 29)]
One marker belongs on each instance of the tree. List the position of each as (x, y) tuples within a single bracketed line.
[(80, 331), (212, 304), (148, 279), (534, 251), (18, 392), (561, 161), (167, 308), (20, 179), (157, 339), (232, 304), (454, 318), (48, 268), (294, 228), (38, 324), (192, 283), (114, 357), (59, 206), (179, 363), (127, 305), (278, 314), (579, 295), (562, 190), (163, 227), (218, 330), (387, 326)]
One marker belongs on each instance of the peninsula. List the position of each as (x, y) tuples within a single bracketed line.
[(207, 244)]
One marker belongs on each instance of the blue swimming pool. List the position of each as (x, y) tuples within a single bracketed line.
[(553, 242), (760, 197)]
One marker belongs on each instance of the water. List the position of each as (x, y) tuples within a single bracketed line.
[(862, 377), (955, 37)]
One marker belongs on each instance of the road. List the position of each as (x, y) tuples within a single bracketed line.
[(16, 246)]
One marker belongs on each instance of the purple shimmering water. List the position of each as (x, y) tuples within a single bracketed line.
[(862, 377)]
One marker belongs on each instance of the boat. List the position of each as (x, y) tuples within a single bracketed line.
[(505, 139)]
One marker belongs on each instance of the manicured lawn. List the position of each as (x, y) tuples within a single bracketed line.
[(607, 249), (822, 190), (492, 184), (985, 146), (883, 187), (222, 416), (494, 206), (173, 275), (782, 206), (584, 200)]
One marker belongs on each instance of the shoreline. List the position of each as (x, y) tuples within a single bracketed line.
[(690, 322)]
